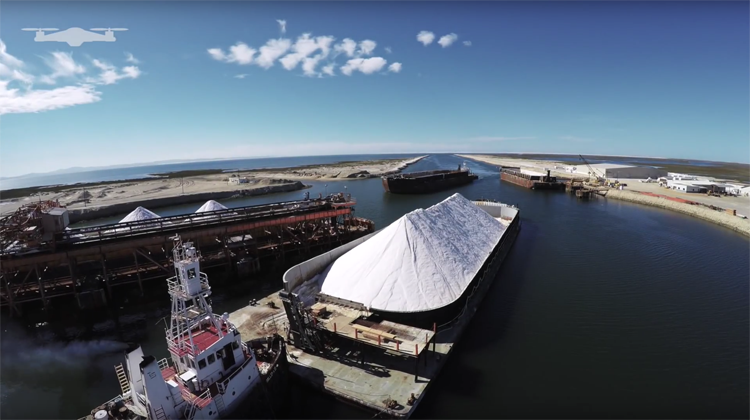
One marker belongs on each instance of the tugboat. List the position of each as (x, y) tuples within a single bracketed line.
[(428, 181), (211, 372)]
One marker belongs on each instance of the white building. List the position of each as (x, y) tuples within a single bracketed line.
[(237, 180), (735, 189), (685, 186), (614, 171), (745, 191)]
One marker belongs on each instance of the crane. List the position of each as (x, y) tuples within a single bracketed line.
[(592, 172)]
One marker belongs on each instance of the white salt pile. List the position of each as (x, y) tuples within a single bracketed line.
[(139, 213), (211, 205), (423, 261)]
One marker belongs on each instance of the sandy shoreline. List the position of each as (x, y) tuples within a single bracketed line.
[(169, 191), (634, 187)]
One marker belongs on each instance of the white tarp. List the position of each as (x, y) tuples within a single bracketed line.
[(211, 205), (423, 261), (139, 213)]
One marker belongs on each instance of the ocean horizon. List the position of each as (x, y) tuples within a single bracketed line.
[(140, 171)]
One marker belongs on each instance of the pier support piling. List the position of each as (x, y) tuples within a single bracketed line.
[(138, 272)]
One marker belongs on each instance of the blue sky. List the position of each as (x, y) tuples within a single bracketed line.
[(663, 79)]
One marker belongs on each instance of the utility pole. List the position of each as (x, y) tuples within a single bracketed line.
[(182, 184)]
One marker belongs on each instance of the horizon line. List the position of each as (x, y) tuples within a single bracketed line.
[(178, 161)]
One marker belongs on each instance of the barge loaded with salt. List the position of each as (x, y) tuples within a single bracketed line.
[(427, 181), (373, 321)]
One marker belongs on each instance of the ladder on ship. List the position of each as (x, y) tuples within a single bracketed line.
[(124, 384), (159, 413), (219, 399)]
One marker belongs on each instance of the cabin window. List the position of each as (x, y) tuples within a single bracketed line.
[(211, 358), (219, 354), (235, 346), (202, 364), (191, 273)]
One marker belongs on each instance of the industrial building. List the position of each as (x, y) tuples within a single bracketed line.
[(614, 171)]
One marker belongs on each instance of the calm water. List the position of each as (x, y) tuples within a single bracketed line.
[(603, 309)]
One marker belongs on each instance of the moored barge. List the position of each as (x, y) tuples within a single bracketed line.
[(530, 179), (428, 181)]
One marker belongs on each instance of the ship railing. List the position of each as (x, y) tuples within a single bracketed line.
[(163, 363), (195, 401), (222, 386), (176, 288)]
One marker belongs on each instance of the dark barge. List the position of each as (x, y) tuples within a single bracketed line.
[(427, 181), (531, 180)]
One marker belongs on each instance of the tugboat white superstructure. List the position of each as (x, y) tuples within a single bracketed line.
[(211, 370)]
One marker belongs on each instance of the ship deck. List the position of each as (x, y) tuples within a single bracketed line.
[(384, 375), (203, 339)]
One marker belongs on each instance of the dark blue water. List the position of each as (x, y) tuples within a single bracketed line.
[(145, 171), (602, 309)]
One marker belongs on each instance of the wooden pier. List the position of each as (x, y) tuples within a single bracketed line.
[(90, 263)]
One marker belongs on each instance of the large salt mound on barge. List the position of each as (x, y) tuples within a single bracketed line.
[(423, 261)]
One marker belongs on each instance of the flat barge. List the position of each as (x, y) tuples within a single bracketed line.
[(427, 181), (360, 355), (530, 179)]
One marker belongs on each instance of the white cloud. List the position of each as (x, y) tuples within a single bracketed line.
[(217, 54), (328, 69), (273, 49), (347, 46), (239, 53), (303, 48), (241, 76), (309, 53), (8, 59), (425, 37), (467, 43), (110, 75), (130, 59), (388, 50), (82, 90), (366, 47), (282, 25), (364, 65), (446, 40), (15, 101), (394, 68), (63, 66)]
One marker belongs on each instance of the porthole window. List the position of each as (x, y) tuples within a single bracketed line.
[(232, 392)]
